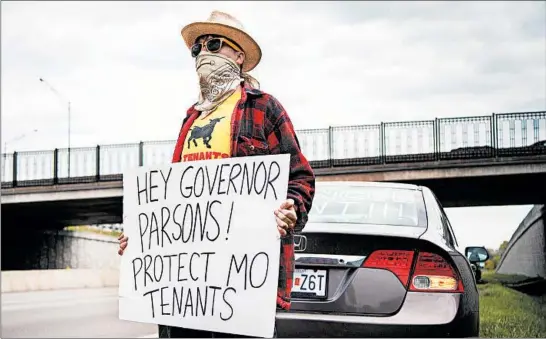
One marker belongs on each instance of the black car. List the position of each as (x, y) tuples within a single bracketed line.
[(381, 260)]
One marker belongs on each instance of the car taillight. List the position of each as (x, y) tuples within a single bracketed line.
[(398, 262), (434, 274)]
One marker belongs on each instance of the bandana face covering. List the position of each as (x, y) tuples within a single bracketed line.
[(219, 77)]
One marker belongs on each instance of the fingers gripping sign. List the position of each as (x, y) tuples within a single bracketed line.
[(286, 216), (123, 241)]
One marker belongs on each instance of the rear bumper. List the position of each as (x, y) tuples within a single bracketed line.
[(321, 329), (422, 315)]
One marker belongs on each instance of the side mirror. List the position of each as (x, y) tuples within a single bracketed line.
[(477, 254)]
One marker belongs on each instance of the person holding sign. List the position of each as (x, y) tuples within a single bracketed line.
[(233, 118)]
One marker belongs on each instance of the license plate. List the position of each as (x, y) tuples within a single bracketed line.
[(309, 283)]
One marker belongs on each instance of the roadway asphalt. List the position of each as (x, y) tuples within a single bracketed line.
[(90, 313)]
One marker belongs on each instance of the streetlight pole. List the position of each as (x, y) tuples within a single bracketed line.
[(69, 114)]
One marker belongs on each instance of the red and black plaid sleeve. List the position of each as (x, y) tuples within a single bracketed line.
[(286, 272), (282, 139)]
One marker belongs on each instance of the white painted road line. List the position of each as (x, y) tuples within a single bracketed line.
[(155, 335)]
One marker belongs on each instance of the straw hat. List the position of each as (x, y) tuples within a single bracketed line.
[(220, 23)]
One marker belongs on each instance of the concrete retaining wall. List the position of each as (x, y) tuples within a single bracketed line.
[(35, 260), (41, 280), (526, 250), (40, 250)]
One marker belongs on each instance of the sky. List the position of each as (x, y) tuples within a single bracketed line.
[(129, 77)]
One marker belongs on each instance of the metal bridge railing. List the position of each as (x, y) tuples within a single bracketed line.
[(497, 135)]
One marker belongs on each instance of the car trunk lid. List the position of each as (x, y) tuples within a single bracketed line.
[(330, 276)]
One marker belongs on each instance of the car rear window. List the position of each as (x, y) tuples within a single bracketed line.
[(368, 205)]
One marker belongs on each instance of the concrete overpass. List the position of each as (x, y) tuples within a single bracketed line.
[(479, 182), (474, 161), (458, 183)]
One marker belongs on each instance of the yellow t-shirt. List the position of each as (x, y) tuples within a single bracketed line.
[(210, 136)]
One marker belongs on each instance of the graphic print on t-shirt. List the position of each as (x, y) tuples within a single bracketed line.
[(210, 137), (204, 132)]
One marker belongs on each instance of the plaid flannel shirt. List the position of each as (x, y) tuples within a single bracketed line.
[(261, 126)]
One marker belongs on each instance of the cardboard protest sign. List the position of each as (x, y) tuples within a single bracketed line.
[(203, 247)]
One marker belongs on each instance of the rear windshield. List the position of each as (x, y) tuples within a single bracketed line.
[(368, 205)]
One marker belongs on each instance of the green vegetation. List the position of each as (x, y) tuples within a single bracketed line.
[(507, 313), (495, 256), (509, 280), (91, 229)]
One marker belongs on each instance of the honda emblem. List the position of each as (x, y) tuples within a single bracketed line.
[(300, 243)]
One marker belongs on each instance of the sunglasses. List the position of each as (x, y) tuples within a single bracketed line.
[(212, 45)]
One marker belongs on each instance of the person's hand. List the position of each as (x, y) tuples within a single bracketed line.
[(286, 217), (123, 241)]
